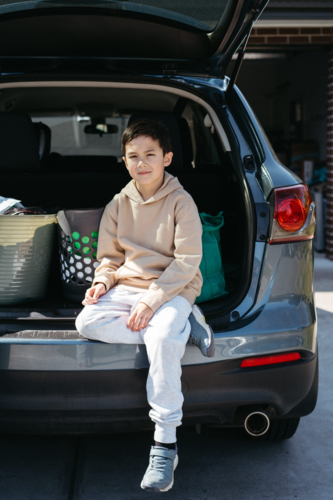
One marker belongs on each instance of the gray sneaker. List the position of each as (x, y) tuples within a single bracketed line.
[(201, 334), (159, 475)]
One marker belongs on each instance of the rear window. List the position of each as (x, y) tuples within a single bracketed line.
[(203, 15), (77, 135)]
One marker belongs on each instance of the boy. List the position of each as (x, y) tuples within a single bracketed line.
[(149, 250)]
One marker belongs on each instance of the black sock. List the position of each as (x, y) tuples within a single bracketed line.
[(170, 446)]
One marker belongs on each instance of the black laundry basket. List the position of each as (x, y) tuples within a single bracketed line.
[(78, 238)]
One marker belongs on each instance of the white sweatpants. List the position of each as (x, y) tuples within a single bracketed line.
[(165, 338)]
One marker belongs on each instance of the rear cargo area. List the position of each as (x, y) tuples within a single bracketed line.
[(82, 170)]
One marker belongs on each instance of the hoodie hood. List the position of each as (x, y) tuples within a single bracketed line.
[(169, 185)]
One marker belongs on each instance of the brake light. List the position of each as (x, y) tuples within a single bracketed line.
[(291, 214), (294, 218), (270, 360)]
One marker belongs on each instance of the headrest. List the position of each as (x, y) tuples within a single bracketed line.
[(43, 136), (18, 144), (170, 122)]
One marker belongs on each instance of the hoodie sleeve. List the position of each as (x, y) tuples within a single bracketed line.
[(109, 253), (182, 276)]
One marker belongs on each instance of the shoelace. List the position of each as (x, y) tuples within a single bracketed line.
[(158, 463)]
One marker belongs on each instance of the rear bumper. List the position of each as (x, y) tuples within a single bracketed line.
[(53, 381), (114, 401)]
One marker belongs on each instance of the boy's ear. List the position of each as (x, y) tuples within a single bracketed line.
[(168, 159), (124, 160)]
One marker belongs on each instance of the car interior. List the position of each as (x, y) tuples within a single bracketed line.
[(78, 165)]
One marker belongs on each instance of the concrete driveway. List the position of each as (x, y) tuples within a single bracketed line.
[(217, 464)]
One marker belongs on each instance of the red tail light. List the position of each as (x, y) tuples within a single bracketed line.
[(270, 360), (293, 215), (292, 207)]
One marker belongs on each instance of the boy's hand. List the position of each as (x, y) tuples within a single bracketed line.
[(93, 294), (140, 317)]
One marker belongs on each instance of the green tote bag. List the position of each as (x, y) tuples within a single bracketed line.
[(211, 263)]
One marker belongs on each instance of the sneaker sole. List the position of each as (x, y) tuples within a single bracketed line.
[(211, 347), (157, 490)]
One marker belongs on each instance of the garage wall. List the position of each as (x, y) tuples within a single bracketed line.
[(271, 85), (258, 80), (308, 75)]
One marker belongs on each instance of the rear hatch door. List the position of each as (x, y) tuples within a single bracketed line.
[(196, 36)]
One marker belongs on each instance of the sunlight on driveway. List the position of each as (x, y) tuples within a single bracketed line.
[(324, 300)]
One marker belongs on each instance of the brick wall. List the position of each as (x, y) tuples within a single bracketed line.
[(329, 207), (291, 36)]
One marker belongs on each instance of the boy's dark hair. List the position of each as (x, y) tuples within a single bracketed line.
[(148, 127)]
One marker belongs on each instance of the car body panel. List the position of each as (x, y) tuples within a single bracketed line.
[(286, 276), (69, 355), (111, 401)]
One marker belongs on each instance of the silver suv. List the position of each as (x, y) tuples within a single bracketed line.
[(71, 73)]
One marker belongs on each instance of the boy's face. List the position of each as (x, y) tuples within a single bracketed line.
[(145, 162)]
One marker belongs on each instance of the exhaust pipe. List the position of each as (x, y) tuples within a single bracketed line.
[(257, 423)]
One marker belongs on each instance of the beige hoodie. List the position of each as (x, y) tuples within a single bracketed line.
[(151, 246)]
